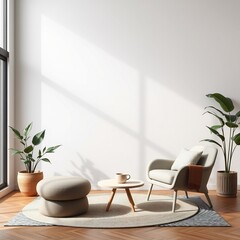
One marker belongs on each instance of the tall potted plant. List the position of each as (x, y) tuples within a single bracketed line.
[(227, 138), (31, 157)]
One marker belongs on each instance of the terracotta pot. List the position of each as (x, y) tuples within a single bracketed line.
[(27, 182), (227, 184)]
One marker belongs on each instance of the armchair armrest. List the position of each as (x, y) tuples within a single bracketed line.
[(181, 180), (160, 164)]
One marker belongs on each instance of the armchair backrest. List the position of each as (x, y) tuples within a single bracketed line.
[(208, 156), (207, 160)]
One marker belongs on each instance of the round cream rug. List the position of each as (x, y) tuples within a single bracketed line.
[(148, 213)]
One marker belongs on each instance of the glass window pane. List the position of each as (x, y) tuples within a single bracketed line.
[(3, 26), (1, 133), (1, 23), (3, 130), (3, 93)]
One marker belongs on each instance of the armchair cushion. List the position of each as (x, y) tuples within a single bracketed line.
[(185, 158), (163, 175)]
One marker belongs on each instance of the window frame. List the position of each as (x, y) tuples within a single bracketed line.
[(4, 55)]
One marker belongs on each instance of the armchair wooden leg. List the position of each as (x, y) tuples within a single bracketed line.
[(209, 200), (186, 193), (174, 200), (149, 192)]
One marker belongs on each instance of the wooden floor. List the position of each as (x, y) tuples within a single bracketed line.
[(228, 208)]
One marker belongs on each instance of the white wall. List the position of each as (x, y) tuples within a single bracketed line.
[(119, 83)]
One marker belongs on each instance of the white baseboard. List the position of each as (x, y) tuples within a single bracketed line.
[(6, 191)]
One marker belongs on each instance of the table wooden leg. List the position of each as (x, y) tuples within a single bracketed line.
[(111, 198), (130, 198)]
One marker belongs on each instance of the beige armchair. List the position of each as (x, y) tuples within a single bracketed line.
[(159, 173)]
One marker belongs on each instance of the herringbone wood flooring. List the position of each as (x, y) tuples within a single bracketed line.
[(229, 208)]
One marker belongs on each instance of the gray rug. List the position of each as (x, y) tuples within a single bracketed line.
[(206, 217), (203, 217)]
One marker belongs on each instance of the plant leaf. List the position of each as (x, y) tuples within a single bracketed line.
[(17, 133), (27, 130), (15, 151), (28, 149), (230, 118), (26, 161), (215, 109), (51, 149), (238, 114), (212, 141), (231, 124), (39, 153), (236, 139), (225, 103), (46, 160), (216, 133), (37, 139), (216, 127), (215, 115)]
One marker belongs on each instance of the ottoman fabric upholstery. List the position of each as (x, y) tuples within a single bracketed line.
[(64, 208), (63, 188), (63, 196)]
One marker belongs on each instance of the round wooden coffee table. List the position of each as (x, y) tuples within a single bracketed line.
[(112, 183)]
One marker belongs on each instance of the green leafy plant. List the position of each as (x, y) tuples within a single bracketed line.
[(226, 131), (26, 154)]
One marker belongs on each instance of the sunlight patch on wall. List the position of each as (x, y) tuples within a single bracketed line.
[(90, 145), (89, 73), (110, 116), (90, 104)]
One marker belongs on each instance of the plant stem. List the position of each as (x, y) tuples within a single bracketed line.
[(232, 149), (34, 168), (229, 149), (232, 155), (224, 150)]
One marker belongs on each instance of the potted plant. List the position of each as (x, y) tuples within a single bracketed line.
[(31, 157), (227, 138)]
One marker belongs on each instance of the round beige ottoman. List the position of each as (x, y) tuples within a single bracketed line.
[(63, 196)]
